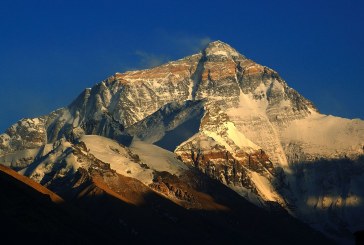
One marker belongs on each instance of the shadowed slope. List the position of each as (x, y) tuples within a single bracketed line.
[(31, 213), (190, 208)]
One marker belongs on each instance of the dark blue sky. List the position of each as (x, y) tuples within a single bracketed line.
[(51, 50)]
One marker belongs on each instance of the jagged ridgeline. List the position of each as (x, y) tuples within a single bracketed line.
[(215, 114)]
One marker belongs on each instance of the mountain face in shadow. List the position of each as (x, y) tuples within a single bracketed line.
[(111, 208), (31, 213)]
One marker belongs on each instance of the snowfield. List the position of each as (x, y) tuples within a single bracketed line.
[(139, 161)]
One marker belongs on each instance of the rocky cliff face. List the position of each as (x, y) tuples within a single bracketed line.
[(231, 118)]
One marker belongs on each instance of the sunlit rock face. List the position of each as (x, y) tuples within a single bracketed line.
[(233, 119)]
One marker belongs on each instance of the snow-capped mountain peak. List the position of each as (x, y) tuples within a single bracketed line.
[(219, 48), (221, 114)]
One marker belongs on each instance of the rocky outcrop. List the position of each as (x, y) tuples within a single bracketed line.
[(171, 186)]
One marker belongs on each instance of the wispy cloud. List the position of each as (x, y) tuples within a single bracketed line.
[(190, 43), (185, 42), (148, 60), (175, 46)]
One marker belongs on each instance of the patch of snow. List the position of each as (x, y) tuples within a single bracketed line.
[(60, 159), (220, 52), (109, 151), (217, 138), (15, 159), (158, 158), (325, 135), (264, 187), (239, 138), (121, 158), (251, 120)]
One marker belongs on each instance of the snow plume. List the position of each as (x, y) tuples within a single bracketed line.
[(193, 44), (149, 60), (182, 42)]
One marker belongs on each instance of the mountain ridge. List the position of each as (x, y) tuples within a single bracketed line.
[(225, 115)]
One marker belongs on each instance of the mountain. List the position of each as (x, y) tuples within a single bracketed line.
[(215, 112), (102, 206), (31, 212)]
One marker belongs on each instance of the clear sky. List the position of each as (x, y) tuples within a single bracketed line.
[(51, 50)]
